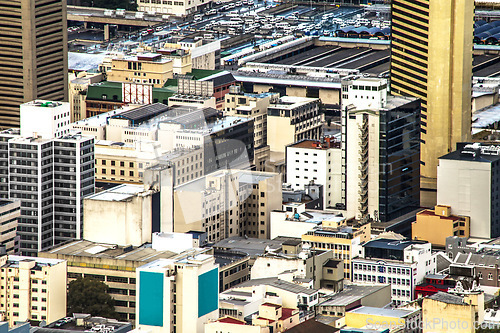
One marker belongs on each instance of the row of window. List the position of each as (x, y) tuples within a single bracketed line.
[(373, 268)]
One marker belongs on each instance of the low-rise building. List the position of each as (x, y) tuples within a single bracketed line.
[(458, 310), (144, 68), (234, 268), (316, 265), (436, 225), (353, 296), (174, 8), (111, 264), (296, 221), (402, 264), (81, 322), (379, 318), (270, 317), (344, 240), (291, 294), (31, 289)]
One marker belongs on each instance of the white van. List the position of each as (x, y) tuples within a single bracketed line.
[(198, 17)]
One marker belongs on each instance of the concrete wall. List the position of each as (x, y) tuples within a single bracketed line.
[(466, 187), (118, 222), (279, 133)]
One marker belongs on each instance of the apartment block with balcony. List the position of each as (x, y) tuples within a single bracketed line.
[(228, 203), (31, 289), (319, 162)]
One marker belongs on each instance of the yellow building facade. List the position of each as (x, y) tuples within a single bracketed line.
[(432, 59), (437, 224), (344, 246), (145, 68)]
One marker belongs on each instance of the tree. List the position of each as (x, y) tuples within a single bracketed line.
[(88, 295)]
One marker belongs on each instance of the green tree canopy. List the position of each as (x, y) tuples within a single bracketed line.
[(88, 295)]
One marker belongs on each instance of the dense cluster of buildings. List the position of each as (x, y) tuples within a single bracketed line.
[(291, 187)]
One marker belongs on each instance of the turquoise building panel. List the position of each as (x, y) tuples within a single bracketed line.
[(151, 298), (208, 292)]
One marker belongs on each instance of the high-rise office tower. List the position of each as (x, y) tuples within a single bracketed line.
[(50, 177), (33, 55), (432, 59)]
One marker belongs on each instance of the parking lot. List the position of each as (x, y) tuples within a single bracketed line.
[(265, 19)]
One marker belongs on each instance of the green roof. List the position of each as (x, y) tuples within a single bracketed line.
[(202, 73), (171, 82), (108, 88), (112, 89)]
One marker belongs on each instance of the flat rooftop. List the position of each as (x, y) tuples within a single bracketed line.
[(277, 283), (118, 193), (13, 261), (251, 246), (351, 294), (372, 61), (393, 313), (85, 248)]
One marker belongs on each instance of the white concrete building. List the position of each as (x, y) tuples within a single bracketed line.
[(467, 182), (121, 215), (179, 294), (319, 162), (403, 264), (173, 241), (45, 119)]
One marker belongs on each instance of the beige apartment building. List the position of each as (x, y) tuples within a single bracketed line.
[(291, 119), (432, 60), (31, 289), (225, 204), (78, 92), (149, 68), (33, 55), (253, 106), (112, 264), (116, 162)]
